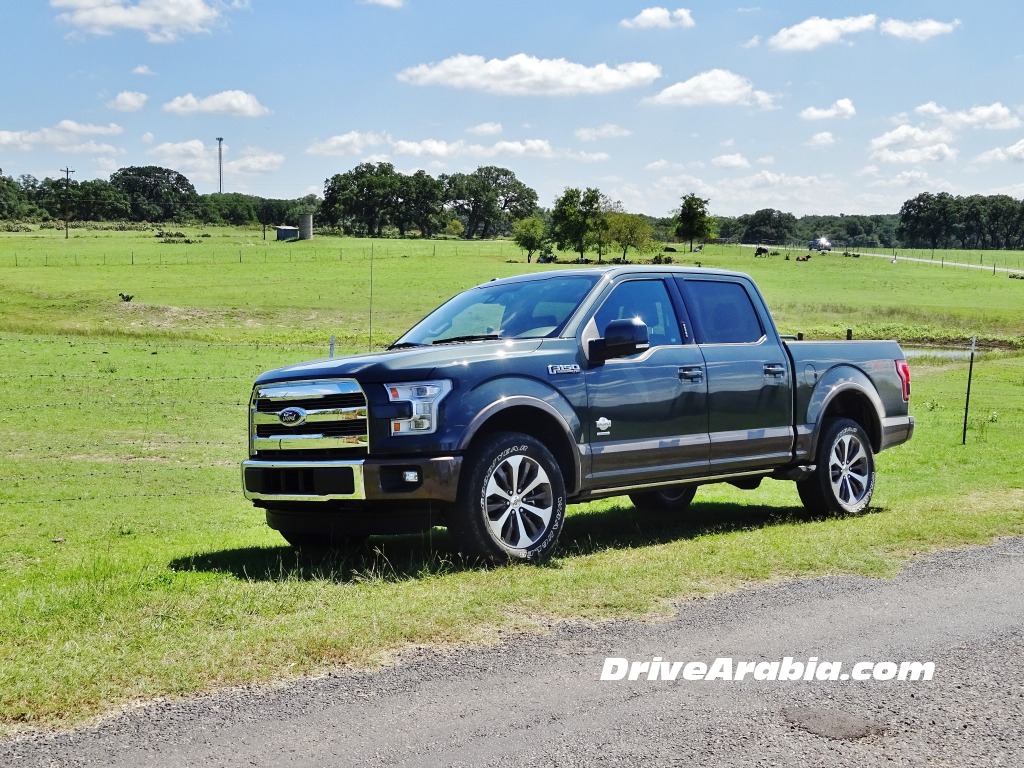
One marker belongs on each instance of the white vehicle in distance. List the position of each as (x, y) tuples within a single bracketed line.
[(821, 244)]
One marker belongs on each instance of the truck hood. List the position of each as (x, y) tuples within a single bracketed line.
[(408, 364)]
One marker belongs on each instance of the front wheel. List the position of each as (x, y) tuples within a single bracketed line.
[(511, 500), (844, 480)]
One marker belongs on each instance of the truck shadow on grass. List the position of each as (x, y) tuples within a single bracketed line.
[(410, 557)]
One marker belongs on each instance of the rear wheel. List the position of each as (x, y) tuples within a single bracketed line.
[(511, 500), (675, 498), (844, 480)]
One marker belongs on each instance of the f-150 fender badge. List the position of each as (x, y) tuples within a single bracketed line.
[(556, 369)]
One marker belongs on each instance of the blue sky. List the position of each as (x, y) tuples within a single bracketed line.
[(840, 107)]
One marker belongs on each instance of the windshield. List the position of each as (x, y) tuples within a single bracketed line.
[(523, 309)]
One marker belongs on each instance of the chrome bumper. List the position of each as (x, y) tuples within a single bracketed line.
[(352, 480)]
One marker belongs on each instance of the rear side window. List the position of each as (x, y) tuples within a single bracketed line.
[(725, 312)]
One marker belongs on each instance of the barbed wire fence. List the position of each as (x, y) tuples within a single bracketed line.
[(13, 456)]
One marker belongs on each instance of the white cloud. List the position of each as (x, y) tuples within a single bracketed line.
[(128, 101), (186, 157), (752, 42), (255, 161), (522, 74), (660, 18), (822, 140), (147, 137), (237, 103), (162, 21), (485, 129), (1002, 155), (995, 116), (816, 32), (142, 69), (905, 179), (731, 161), (922, 30), (912, 144), (430, 148), (67, 136), (351, 143), (716, 86), (841, 108), (444, 150), (766, 160), (386, 3), (606, 131)]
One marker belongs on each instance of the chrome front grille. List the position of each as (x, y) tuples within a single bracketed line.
[(314, 415)]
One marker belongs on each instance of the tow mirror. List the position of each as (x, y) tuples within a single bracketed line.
[(622, 338)]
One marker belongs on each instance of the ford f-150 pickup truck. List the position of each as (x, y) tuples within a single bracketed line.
[(525, 394)]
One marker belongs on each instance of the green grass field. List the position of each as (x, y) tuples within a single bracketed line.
[(131, 566)]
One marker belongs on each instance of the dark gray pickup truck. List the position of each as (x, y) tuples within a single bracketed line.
[(528, 393)]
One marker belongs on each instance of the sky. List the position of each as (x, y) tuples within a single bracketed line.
[(806, 107)]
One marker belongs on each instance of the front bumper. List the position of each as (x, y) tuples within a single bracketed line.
[(437, 479)]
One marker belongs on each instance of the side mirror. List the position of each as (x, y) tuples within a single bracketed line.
[(622, 338)]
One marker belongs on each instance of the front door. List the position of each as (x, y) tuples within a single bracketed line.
[(647, 413)]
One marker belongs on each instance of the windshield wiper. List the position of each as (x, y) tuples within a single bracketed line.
[(470, 337), (405, 344)]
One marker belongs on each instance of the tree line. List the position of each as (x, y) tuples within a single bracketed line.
[(942, 220), (376, 200)]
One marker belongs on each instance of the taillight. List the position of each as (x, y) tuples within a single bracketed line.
[(903, 371)]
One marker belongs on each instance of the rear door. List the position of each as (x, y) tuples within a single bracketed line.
[(646, 414), (750, 401)]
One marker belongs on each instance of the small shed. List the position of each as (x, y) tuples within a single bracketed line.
[(287, 233)]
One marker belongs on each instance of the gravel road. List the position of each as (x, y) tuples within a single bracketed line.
[(539, 700)]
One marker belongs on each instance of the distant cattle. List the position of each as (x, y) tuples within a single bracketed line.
[(669, 249), (761, 251)]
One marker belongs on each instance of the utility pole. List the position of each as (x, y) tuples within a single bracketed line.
[(67, 183), (220, 164)]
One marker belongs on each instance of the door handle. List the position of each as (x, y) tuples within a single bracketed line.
[(691, 373), (774, 369)]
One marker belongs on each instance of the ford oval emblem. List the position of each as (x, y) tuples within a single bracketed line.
[(292, 417)]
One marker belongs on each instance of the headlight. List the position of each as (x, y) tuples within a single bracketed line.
[(425, 397)]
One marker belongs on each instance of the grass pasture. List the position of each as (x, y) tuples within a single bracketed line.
[(131, 567)]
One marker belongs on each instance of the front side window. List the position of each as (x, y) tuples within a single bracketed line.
[(647, 300)]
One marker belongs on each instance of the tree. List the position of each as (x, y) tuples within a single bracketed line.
[(768, 226), (156, 194), (693, 221), (363, 199), (530, 234), (420, 203), (488, 200), (232, 208), (14, 203), (99, 200), (573, 218), (630, 230)]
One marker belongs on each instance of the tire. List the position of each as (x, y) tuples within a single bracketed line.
[(511, 501), (844, 480), (675, 498)]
